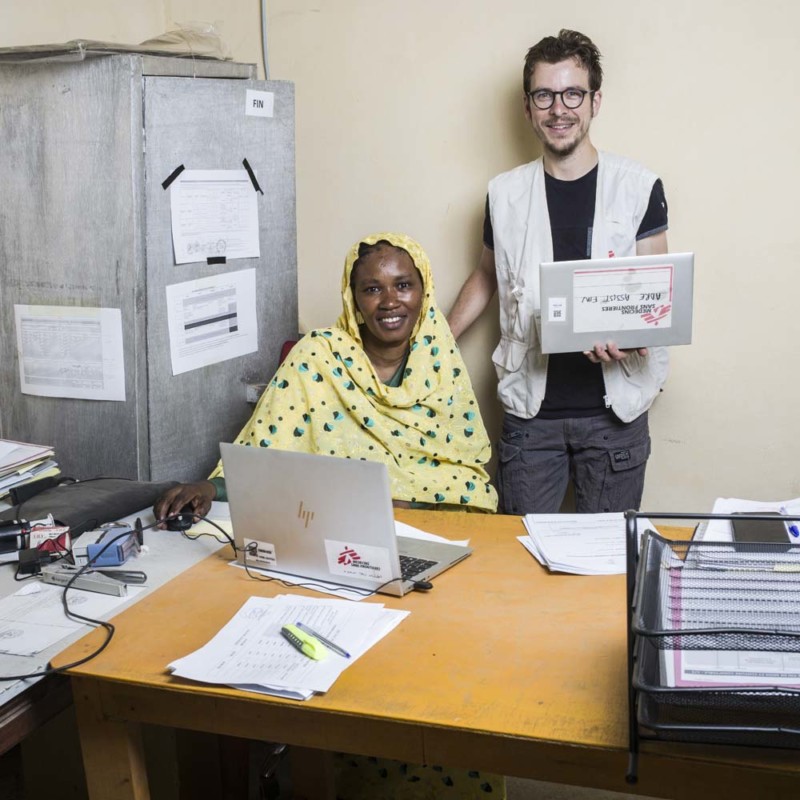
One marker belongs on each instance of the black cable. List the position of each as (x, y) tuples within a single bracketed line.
[(110, 628), (196, 536), (77, 617), (97, 623), (250, 548)]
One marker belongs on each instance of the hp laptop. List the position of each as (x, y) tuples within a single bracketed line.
[(637, 301), (325, 519)]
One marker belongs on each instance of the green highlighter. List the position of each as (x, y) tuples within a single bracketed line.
[(307, 645)]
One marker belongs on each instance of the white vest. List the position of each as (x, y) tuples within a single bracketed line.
[(523, 240)]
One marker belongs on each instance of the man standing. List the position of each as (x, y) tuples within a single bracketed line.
[(573, 415)]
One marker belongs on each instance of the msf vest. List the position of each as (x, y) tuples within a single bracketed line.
[(522, 241)]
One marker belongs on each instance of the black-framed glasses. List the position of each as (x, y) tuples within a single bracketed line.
[(570, 98)]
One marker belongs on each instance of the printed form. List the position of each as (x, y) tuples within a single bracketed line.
[(250, 653), (70, 351), (582, 544), (214, 215), (212, 319)]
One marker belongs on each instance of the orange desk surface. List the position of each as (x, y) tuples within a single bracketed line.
[(501, 667)]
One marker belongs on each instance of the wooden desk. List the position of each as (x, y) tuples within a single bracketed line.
[(502, 667)]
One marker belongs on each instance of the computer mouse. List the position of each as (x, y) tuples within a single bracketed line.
[(423, 586), (182, 521)]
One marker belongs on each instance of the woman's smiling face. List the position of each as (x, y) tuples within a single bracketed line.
[(387, 290)]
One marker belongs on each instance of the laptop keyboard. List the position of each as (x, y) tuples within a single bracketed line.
[(410, 567)]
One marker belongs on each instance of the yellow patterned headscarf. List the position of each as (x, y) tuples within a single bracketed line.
[(326, 398)]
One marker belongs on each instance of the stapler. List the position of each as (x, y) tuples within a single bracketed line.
[(90, 581)]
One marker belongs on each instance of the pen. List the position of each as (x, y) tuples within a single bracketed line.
[(327, 642), (791, 526), (307, 645)]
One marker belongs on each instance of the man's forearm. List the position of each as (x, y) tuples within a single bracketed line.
[(474, 296)]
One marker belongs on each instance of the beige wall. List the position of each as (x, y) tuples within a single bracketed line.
[(405, 109)]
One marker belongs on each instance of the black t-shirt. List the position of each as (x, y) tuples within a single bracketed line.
[(575, 386)]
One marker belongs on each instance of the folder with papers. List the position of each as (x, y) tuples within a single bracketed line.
[(22, 463)]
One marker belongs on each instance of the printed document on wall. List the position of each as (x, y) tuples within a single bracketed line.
[(212, 319), (214, 215), (70, 351)]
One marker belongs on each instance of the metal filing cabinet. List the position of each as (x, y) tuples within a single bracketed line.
[(84, 221)]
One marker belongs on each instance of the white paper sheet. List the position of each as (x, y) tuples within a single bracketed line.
[(33, 619), (250, 651), (731, 668), (212, 319), (409, 531), (715, 593), (70, 351), (623, 299), (582, 544), (214, 214)]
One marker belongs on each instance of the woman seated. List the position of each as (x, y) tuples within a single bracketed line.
[(385, 383)]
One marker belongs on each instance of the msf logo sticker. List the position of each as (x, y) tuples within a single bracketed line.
[(348, 556), (657, 314), (305, 515)]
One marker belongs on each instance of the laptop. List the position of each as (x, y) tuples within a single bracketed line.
[(637, 301), (326, 520)]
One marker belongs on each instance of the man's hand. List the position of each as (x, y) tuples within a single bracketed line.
[(197, 495), (610, 352)]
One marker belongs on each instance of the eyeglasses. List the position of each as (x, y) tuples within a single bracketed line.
[(570, 98)]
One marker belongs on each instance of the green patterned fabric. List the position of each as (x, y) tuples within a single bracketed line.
[(326, 398), (364, 778)]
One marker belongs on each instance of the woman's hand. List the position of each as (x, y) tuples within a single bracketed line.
[(197, 496)]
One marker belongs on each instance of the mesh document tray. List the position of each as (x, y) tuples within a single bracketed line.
[(697, 595), (713, 629), (756, 716)]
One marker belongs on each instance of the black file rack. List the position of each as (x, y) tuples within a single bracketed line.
[(697, 595)]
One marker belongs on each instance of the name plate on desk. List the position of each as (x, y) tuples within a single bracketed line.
[(640, 301)]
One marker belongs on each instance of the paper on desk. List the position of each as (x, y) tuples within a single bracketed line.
[(402, 529), (719, 530), (289, 694), (33, 620), (205, 526), (581, 544), (316, 584), (250, 650), (530, 546)]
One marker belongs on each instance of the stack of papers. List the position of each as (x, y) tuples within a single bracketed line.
[(250, 653), (581, 544), (720, 598), (22, 463), (731, 589)]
